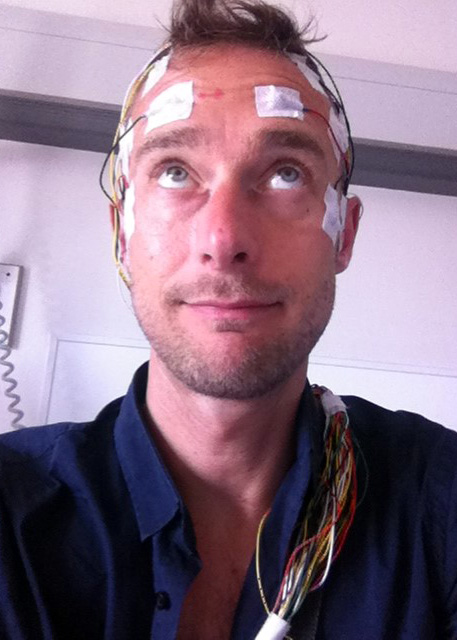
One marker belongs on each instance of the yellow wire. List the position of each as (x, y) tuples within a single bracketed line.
[(320, 553), (112, 163), (257, 563)]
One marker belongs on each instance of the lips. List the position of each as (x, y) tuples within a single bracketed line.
[(244, 311), (232, 304)]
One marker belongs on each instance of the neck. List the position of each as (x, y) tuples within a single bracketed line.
[(226, 457)]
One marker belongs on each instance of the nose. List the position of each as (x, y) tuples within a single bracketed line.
[(225, 229)]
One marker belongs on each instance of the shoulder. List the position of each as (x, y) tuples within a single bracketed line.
[(407, 474), (43, 455), (405, 461), (398, 434)]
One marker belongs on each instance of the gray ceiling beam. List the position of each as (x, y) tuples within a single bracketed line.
[(89, 126)]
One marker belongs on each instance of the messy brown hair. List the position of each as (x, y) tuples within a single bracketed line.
[(251, 22)]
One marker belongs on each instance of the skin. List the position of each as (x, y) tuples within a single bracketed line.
[(233, 283)]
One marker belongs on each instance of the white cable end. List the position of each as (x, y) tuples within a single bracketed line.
[(274, 628), (331, 404)]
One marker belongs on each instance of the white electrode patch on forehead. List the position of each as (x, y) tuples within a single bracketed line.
[(282, 102), (174, 103), (334, 216), (156, 73), (129, 213)]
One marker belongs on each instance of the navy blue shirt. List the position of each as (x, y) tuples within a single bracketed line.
[(96, 543)]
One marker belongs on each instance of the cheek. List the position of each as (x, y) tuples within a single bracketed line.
[(303, 239), (309, 259), (158, 243)]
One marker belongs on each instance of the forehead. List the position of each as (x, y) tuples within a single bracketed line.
[(225, 72), (224, 79)]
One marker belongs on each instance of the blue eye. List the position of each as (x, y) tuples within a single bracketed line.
[(175, 177), (286, 178)]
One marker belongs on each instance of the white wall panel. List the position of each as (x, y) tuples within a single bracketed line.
[(95, 369)]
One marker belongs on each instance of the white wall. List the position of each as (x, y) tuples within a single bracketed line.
[(392, 337), (54, 222), (418, 33)]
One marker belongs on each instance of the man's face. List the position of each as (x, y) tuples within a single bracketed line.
[(232, 273)]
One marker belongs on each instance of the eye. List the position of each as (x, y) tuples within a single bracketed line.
[(175, 177), (287, 177)]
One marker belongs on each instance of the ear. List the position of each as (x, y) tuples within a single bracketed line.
[(353, 212)]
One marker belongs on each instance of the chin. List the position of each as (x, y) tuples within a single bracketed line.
[(238, 373)]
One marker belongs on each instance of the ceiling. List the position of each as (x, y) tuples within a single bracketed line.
[(419, 33)]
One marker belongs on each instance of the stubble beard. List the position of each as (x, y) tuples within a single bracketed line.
[(262, 367)]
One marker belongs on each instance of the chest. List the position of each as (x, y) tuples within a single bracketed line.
[(210, 604)]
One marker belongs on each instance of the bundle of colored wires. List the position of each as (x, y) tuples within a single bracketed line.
[(328, 515)]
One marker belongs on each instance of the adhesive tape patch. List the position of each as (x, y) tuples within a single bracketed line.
[(156, 73), (129, 213), (125, 149), (282, 102), (309, 74), (331, 404), (339, 129), (174, 103), (334, 216), (336, 120)]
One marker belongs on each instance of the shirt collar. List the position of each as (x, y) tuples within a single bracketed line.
[(302, 476), (154, 496), (153, 493)]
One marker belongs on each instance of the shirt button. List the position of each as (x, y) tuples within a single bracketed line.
[(162, 600)]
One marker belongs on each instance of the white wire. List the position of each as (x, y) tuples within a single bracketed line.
[(332, 543), (15, 398)]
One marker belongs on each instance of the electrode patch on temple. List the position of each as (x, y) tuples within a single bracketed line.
[(156, 73), (125, 147), (272, 101), (309, 74), (339, 129), (129, 213), (174, 103), (334, 216)]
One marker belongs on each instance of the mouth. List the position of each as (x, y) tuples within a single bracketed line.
[(241, 309), (242, 303)]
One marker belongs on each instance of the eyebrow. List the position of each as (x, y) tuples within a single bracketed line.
[(296, 140), (187, 137), (262, 141)]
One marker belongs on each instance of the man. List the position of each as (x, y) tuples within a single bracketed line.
[(231, 220)]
